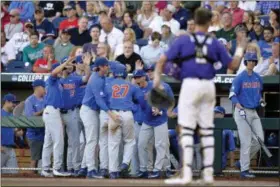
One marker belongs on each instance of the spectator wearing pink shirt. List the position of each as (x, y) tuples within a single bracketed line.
[(237, 13)]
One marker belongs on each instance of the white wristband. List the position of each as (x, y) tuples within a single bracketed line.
[(239, 52)]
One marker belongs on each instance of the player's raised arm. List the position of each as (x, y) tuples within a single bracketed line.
[(59, 69)]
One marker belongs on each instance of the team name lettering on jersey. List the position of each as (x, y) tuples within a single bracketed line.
[(251, 85)]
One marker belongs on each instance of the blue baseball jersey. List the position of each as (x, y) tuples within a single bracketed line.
[(54, 92), (148, 117), (7, 134), (32, 105), (94, 94), (193, 68), (106, 95), (246, 90), (266, 49), (80, 91), (69, 92), (122, 94)]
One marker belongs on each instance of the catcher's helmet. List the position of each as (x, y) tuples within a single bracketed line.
[(250, 57)]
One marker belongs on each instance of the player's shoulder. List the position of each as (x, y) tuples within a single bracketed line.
[(258, 76), (30, 99)]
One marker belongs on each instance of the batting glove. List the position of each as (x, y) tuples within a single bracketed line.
[(242, 113)]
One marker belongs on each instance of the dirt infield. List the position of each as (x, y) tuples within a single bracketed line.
[(15, 181)]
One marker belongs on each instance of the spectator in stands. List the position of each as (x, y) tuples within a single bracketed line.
[(129, 58), (247, 5), (251, 48), (129, 35), (91, 13), (8, 155), (18, 41), (274, 63), (227, 31), (248, 21), (167, 14), (63, 46), (236, 12), (128, 22), (160, 6), (219, 5), (4, 51), (151, 52), (191, 25), (215, 22), (44, 27), (116, 14), (34, 106), (76, 51), (266, 44), (264, 7), (14, 26), (72, 20), (92, 46), (52, 9), (5, 15), (241, 33), (274, 20), (257, 33), (181, 14), (44, 64), (227, 141), (110, 34), (34, 50), (80, 35), (26, 9), (166, 36), (146, 16), (103, 50)]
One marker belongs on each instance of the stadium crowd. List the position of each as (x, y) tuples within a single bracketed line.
[(36, 36)]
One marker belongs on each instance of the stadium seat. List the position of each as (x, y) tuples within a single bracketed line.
[(18, 67)]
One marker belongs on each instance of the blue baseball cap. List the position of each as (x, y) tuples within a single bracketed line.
[(79, 59), (113, 65), (55, 65), (101, 61), (120, 71), (150, 67), (139, 73), (38, 82), (219, 109), (11, 98), (249, 56), (69, 6)]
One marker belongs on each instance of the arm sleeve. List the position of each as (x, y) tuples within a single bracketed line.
[(139, 97), (28, 108), (98, 91), (234, 91), (169, 91), (50, 30)]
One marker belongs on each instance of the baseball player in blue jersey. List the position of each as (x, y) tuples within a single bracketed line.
[(93, 101), (70, 84), (228, 139), (54, 130), (154, 126), (246, 95), (197, 55), (34, 106), (122, 94), (8, 155)]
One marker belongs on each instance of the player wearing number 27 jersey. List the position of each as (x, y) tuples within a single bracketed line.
[(197, 54), (121, 101)]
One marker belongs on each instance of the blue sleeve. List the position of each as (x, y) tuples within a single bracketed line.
[(183, 19), (169, 90), (235, 90), (52, 80), (28, 108), (139, 97), (98, 91), (138, 32), (174, 49), (27, 11), (223, 55)]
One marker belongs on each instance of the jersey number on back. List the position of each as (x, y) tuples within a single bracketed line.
[(117, 90)]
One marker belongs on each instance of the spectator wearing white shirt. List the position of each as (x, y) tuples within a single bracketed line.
[(273, 61), (215, 22), (166, 37), (151, 52), (4, 55), (14, 26), (110, 34), (129, 35), (19, 40), (157, 23), (146, 17)]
